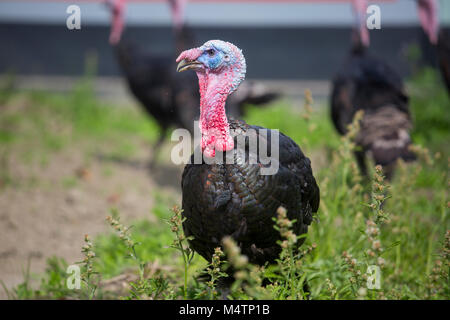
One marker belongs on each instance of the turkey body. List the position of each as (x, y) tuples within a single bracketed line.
[(236, 200), (369, 84)]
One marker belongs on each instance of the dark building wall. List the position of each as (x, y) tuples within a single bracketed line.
[(272, 53)]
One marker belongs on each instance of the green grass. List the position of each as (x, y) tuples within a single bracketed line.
[(411, 226)]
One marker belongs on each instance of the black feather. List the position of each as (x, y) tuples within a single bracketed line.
[(368, 83), (236, 200)]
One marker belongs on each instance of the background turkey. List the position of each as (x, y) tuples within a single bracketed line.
[(236, 199), (151, 77), (368, 83)]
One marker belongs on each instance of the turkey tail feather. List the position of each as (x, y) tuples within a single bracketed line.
[(253, 93), (385, 133), (387, 150)]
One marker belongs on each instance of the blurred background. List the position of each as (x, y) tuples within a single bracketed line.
[(314, 34), (76, 143)]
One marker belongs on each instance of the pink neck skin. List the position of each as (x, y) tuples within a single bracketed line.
[(178, 7), (214, 90), (427, 11), (117, 23), (359, 8)]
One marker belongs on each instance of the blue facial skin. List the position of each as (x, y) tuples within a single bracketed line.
[(212, 61)]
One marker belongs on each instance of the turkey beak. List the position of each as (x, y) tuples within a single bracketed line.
[(188, 65)]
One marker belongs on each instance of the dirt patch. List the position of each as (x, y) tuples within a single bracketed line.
[(68, 199)]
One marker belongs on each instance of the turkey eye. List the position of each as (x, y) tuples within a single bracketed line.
[(210, 52)]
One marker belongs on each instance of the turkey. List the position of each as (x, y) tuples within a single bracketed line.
[(171, 100), (367, 83), (428, 16), (226, 191)]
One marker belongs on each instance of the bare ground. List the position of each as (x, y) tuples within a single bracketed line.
[(67, 199)]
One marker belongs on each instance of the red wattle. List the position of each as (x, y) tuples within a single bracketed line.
[(214, 126)]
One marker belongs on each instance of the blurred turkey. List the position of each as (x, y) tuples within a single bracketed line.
[(367, 83), (428, 16), (171, 100), (238, 198)]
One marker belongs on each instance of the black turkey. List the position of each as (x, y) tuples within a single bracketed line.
[(368, 83), (227, 194), (170, 99)]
